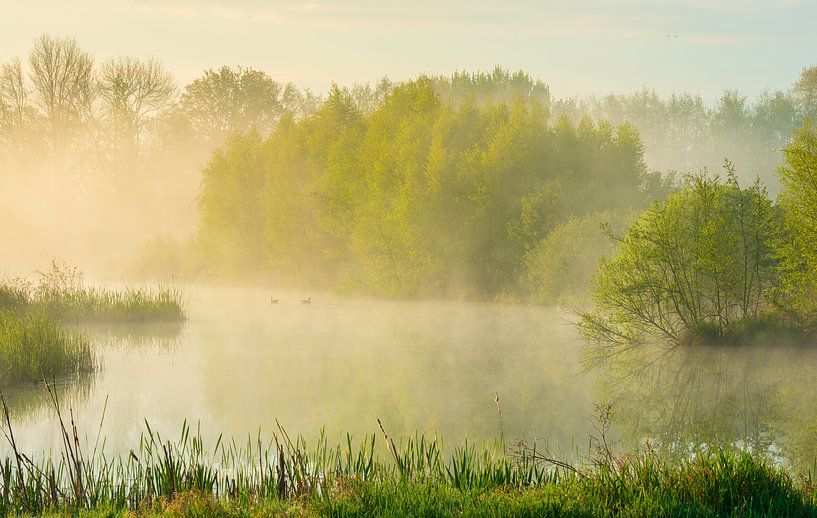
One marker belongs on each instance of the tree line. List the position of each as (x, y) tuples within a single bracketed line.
[(680, 132), (394, 201), (63, 115), (109, 152), (424, 196), (60, 97), (487, 185)]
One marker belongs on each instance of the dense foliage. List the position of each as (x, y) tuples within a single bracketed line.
[(699, 263), (798, 244), (419, 197), (89, 139), (716, 260), (561, 266)]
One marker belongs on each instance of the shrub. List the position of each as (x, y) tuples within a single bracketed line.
[(701, 260), (561, 267)]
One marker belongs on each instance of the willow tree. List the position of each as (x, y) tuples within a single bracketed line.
[(698, 264)]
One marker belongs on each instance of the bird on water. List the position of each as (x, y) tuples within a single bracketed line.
[(306, 301)]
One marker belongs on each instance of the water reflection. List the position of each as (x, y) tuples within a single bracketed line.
[(239, 364), (687, 399), (428, 367), (153, 336), (27, 402)]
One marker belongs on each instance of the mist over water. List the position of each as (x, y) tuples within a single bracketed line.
[(429, 195), (240, 363)]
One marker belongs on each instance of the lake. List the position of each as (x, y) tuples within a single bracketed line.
[(239, 364)]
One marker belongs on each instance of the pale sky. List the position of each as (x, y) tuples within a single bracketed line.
[(579, 47)]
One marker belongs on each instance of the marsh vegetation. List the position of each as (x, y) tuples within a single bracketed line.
[(60, 293), (35, 344), (284, 474), (381, 258)]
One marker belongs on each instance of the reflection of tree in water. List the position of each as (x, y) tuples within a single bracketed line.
[(798, 396), (26, 401), (428, 367), (690, 398)]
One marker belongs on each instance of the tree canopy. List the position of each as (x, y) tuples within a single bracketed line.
[(700, 264), (797, 247), (422, 196)]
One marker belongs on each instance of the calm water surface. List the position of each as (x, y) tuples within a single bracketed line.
[(240, 363)]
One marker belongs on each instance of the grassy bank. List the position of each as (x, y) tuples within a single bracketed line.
[(414, 477)]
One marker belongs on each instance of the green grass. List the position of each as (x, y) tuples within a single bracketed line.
[(415, 478), (32, 345), (130, 305), (61, 294), (32, 342)]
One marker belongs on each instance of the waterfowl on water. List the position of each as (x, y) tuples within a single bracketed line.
[(273, 300), (306, 300)]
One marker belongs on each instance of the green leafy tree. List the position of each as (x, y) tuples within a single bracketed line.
[(422, 196), (798, 246), (231, 204), (230, 100), (561, 266), (698, 264), (805, 92)]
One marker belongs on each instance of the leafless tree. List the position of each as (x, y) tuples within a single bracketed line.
[(133, 93), (15, 110), (62, 76)]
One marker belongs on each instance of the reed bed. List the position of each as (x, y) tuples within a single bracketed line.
[(32, 342), (187, 478), (32, 345), (61, 294), (131, 305), (14, 295)]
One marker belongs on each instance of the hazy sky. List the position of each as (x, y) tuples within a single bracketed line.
[(578, 47)]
